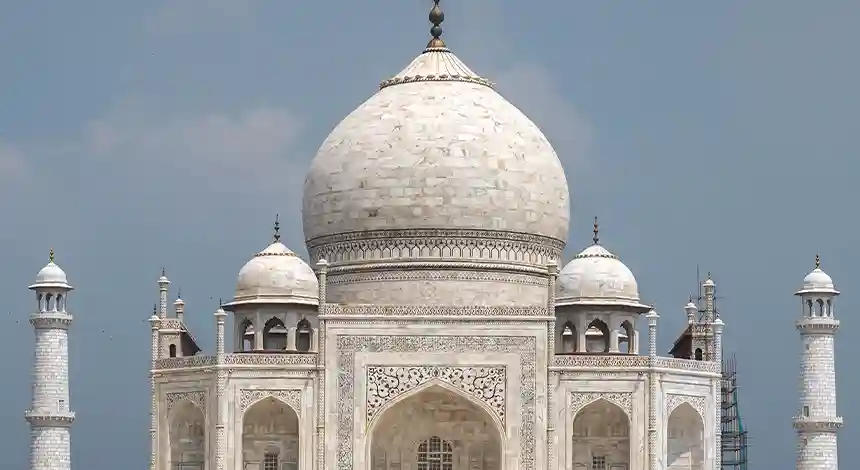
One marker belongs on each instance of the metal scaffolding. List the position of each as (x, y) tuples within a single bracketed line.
[(733, 431)]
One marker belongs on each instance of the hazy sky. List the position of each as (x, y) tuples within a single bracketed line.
[(136, 135)]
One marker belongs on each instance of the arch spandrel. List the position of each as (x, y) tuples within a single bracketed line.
[(673, 401), (290, 397), (430, 385), (485, 386), (580, 400), (194, 397)]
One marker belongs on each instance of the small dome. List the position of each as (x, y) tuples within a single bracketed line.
[(276, 275), (818, 281), (597, 277), (51, 276)]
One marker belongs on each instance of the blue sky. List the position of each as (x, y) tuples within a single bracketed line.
[(136, 135)]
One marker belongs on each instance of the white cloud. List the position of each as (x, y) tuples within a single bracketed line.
[(13, 165), (530, 85), (255, 143)]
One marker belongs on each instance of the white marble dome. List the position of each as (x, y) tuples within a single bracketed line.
[(276, 275), (51, 276), (597, 277), (436, 147), (818, 281)]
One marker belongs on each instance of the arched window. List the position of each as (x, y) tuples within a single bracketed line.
[(597, 337), (698, 354), (434, 454), (274, 335), (60, 307), (246, 331), (304, 335), (569, 338), (172, 350)]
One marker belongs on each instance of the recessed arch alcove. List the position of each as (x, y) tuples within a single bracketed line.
[(435, 427)]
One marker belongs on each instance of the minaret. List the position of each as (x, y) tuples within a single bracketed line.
[(49, 415), (817, 422)]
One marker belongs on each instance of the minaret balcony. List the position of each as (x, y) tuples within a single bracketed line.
[(812, 424), (821, 325), (49, 320), (49, 418)]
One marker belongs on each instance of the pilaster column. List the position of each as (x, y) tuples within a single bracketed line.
[(220, 392), (718, 394), (154, 322), (653, 461), (322, 266), (552, 377)]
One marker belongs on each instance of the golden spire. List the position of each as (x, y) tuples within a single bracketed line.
[(596, 231), (51, 255), (277, 235), (436, 17), (817, 261)]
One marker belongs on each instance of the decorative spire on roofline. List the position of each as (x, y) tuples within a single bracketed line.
[(436, 17)]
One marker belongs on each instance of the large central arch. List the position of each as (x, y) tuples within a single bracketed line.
[(435, 428)]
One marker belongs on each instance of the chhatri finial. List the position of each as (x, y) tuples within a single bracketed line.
[(691, 297), (436, 17), (154, 310), (817, 261), (596, 231), (51, 255), (277, 235)]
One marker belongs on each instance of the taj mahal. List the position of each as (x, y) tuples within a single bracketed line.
[(432, 325)]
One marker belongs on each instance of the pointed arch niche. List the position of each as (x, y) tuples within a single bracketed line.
[(270, 436), (187, 437), (435, 427), (601, 437), (685, 439)]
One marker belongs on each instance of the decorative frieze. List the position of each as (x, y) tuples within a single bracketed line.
[(349, 346), (579, 400), (673, 401), (621, 361), (290, 397), (195, 397), (437, 275), (487, 384), (439, 244), (254, 359), (249, 359), (433, 311)]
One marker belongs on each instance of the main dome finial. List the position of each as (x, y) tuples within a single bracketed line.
[(436, 17), (596, 231), (277, 231), (817, 261)]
